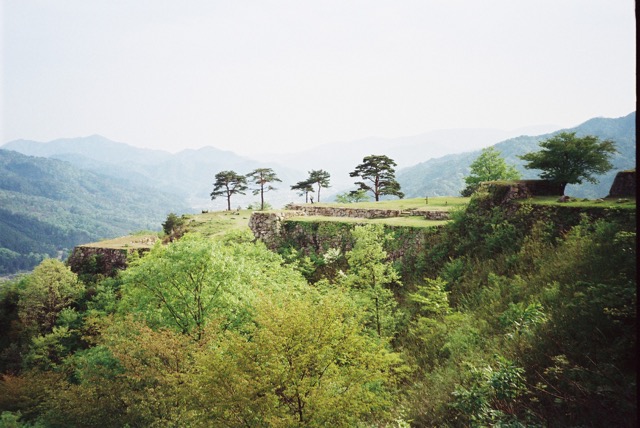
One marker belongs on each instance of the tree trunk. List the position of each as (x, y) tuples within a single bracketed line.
[(564, 185), (261, 198)]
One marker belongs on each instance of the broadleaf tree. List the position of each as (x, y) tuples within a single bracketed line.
[(306, 361), (262, 177), (46, 292), (378, 175), (568, 159), (370, 275), (489, 166), (227, 184), (352, 197)]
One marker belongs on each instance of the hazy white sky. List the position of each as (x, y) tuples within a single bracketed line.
[(276, 75)]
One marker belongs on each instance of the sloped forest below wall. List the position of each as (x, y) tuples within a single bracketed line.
[(506, 317)]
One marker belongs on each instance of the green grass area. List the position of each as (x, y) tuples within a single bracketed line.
[(217, 223), (413, 221), (137, 240), (625, 203), (433, 203), (208, 224)]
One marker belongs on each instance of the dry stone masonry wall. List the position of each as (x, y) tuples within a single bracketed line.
[(97, 260), (624, 185), (313, 210), (266, 225)]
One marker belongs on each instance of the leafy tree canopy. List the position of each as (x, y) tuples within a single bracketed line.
[(489, 166), (184, 284), (567, 159), (370, 276), (51, 288), (172, 223), (378, 175), (353, 196)]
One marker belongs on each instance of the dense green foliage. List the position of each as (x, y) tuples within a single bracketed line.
[(47, 207), (567, 159), (196, 333), (378, 176), (489, 166), (351, 197), (506, 316)]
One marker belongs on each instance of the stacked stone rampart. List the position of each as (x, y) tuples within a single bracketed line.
[(624, 185), (313, 210), (435, 215), (266, 225), (103, 261)]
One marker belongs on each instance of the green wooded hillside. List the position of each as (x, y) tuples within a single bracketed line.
[(48, 206), (445, 176)]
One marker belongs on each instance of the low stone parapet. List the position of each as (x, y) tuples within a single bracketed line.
[(318, 210), (436, 215)]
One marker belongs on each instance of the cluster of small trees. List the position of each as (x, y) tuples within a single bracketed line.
[(377, 173), (229, 183)]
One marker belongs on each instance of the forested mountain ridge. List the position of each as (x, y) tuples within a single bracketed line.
[(445, 175), (47, 206)]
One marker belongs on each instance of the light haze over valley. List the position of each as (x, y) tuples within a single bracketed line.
[(279, 77)]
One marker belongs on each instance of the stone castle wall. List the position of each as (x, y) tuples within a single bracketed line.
[(624, 185), (344, 211), (99, 261), (368, 213), (266, 225)]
